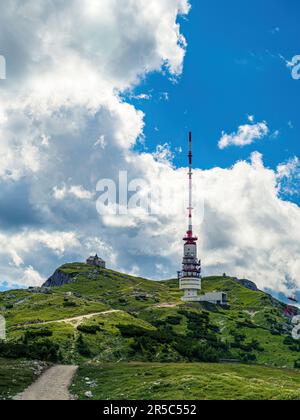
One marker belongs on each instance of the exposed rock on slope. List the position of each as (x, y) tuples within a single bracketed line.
[(248, 284), (59, 278)]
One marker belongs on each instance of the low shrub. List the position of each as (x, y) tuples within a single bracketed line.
[(32, 334), (69, 304), (89, 329), (82, 347), (45, 350)]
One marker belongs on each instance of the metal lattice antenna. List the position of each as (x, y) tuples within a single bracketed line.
[(190, 208)]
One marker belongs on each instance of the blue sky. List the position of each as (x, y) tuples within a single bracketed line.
[(234, 67), (70, 115)]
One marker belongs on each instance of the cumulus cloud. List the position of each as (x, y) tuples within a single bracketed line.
[(163, 153), (246, 135), (288, 175), (31, 277), (248, 230), (76, 191), (64, 124), (81, 54), (64, 127)]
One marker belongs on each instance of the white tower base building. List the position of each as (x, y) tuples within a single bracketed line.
[(190, 287), (216, 298)]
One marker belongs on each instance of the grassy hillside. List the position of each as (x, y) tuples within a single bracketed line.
[(185, 381), (15, 376), (108, 316)]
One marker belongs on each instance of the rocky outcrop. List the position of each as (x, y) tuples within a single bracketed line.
[(248, 284), (59, 278)]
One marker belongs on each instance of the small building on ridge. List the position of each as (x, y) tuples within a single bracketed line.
[(96, 262)]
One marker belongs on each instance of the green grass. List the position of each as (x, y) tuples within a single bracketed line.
[(25, 308), (15, 376), (119, 290), (117, 371), (141, 303), (108, 344), (185, 382)]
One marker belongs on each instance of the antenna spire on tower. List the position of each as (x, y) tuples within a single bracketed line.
[(190, 208)]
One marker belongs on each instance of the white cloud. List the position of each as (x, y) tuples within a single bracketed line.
[(32, 278), (21, 253), (275, 134), (64, 126), (164, 96), (142, 96), (64, 123), (17, 260), (101, 142), (246, 135), (288, 176), (164, 153), (76, 191), (288, 169), (59, 69), (16, 245)]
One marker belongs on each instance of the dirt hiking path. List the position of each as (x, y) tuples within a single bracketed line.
[(77, 320), (53, 385)]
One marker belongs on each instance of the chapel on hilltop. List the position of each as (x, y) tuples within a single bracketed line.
[(96, 262)]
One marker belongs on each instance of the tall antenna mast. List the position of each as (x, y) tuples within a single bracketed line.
[(190, 276), (190, 208), (190, 279)]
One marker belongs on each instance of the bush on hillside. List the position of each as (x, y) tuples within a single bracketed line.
[(288, 340), (89, 329), (297, 364), (44, 350), (82, 347), (247, 357), (173, 320), (33, 334), (294, 345), (200, 344), (69, 304)]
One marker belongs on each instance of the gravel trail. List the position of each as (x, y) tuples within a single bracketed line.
[(53, 385)]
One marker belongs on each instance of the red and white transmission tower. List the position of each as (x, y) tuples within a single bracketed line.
[(190, 278)]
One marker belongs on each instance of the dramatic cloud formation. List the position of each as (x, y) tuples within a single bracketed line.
[(246, 134), (63, 123), (64, 127), (248, 230)]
